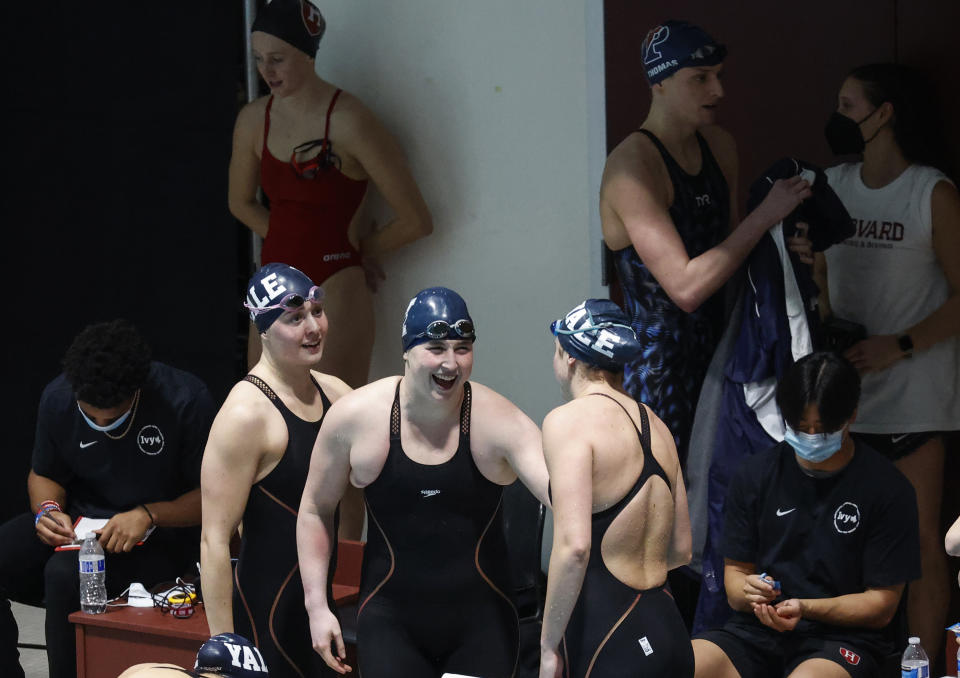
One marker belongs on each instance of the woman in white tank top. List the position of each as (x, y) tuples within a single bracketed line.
[(899, 277)]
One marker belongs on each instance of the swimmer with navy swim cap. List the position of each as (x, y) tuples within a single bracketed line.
[(436, 313), (253, 471), (225, 655), (276, 288), (598, 333), (613, 466), (678, 44), (432, 452), (674, 256)]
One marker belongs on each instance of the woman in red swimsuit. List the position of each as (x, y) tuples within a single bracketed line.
[(313, 148)]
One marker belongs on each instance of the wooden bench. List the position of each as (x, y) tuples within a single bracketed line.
[(109, 643)]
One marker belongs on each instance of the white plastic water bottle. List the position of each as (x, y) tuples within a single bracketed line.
[(915, 663), (93, 592)]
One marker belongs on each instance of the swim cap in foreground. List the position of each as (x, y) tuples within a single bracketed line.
[(677, 44), (436, 313), (297, 22), (598, 333), (276, 288), (231, 655)]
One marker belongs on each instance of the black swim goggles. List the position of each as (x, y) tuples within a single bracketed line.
[(289, 302), (441, 329)]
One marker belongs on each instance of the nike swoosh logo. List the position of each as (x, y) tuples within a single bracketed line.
[(783, 513), (897, 439), (84, 445)]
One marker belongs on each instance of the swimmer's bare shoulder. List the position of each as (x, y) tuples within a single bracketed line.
[(634, 172), (160, 671), (569, 417), (334, 387), (248, 128), (360, 413), (356, 430), (495, 421)]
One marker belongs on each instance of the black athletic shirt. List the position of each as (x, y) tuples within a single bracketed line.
[(158, 458), (823, 537)]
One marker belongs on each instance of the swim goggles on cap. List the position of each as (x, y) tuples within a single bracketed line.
[(440, 329), (289, 302), (556, 329)]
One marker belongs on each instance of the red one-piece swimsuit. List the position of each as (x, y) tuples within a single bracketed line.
[(309, 218)]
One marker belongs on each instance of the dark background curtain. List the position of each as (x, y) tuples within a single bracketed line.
[(119, 118)]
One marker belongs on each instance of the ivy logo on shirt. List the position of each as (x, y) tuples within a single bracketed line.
[(150, 440), (846, 518)]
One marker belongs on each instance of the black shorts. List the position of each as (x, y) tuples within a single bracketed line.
[(896, 446), (756, 653)]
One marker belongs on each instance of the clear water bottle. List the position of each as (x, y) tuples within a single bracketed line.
[(915, 663), (93, 592)]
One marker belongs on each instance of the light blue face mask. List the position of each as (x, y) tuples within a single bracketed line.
[(813, 447), (109, 427)]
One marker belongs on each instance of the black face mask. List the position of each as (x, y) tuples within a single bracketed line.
[(844, 135)]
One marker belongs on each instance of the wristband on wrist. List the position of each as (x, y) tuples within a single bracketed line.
[(45, 508), (153, 523)]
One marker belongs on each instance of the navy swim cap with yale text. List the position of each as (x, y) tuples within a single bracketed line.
[(276, 288), (598, 333), (231, 655), (678, 44)]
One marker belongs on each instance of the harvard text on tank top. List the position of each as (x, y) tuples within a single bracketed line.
[(878, 230)]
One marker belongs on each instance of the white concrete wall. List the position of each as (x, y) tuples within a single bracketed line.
[(499, 107)]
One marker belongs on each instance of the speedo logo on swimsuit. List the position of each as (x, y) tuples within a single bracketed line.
[(429, 493), (337, 256)]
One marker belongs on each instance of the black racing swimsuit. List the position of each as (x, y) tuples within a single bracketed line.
[(677, 346), (432, 591), (268, 605), (617, 631)]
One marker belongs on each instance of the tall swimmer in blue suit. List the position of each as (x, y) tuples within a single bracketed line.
[(432, 452), (668, 213), (620, 514)]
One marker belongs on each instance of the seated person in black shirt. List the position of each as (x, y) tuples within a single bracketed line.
[(820, 537), (118, 437)]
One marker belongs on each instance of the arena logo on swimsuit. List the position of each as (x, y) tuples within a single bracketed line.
[(271, 287), (252, 659)]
